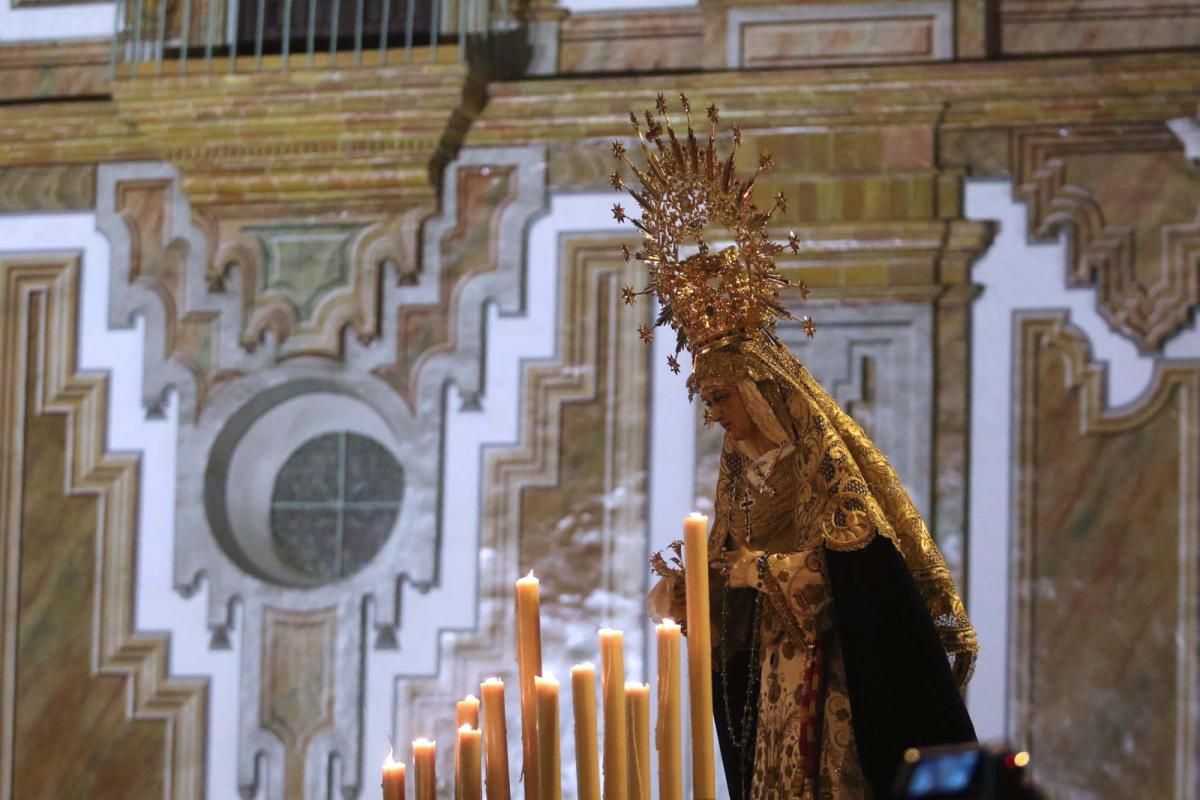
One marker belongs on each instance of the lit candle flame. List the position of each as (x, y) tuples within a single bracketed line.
[(390, 762)]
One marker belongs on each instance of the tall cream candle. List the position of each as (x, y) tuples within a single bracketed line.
[(699, 651), (529, 664), (425, 769), (550, 778), (466, 780), (612, 686), (587, 757), (669, 731), (467, 712), (495, 738), (393, 779), (637, 702)]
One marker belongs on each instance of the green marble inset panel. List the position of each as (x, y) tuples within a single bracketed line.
[(304, 263)]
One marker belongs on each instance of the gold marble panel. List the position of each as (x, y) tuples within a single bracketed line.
[(86, 706), (974, 34), (297, 683), (69, 187), (782, 42), (1104, 592), (1074, 26), (632, 41)]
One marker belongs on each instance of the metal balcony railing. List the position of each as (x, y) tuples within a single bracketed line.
[(178, 36)]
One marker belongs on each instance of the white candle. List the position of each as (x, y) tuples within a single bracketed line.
[(669, 732), (529, 664), (550, 778), (612, 686), (495, 738), (587, 757), (466, 781), (467, 712), (393, 779), (637, 701), (695, 537), (425, 769)]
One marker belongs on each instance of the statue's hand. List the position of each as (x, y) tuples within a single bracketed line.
[(742, 566)]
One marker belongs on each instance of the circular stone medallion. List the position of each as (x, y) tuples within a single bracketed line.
[(334, 503)]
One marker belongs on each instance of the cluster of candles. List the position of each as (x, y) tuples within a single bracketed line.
[(626, 708)]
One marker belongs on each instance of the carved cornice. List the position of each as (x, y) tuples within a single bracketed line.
[(1145, 298), (380, 107), (47, 291), (282, 142), (965, 95), (51, 70), (349, 138)]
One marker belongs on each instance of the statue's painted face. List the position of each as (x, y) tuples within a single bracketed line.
[(725, 408)]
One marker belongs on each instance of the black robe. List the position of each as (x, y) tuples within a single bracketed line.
[(902, 692)]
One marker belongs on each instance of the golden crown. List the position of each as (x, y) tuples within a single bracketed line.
[(709, 297)]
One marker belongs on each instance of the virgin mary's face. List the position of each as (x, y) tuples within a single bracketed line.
[(725, 407)]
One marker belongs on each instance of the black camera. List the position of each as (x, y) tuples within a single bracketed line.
[(964, 772)]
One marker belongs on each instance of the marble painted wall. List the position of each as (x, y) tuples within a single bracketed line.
[(1081, 514), (301, 370)]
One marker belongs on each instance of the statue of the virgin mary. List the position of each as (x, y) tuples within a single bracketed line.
[(839, 638)]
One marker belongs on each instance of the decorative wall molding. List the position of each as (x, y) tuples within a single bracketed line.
[(1073, 26), (330, 139), (1078, 560), (304, 285), (41, 296), (299, 672), (641, 40), (829, 33), (48, 188), (1138, 249), (600, 364), (243, 337), (973, 97)]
